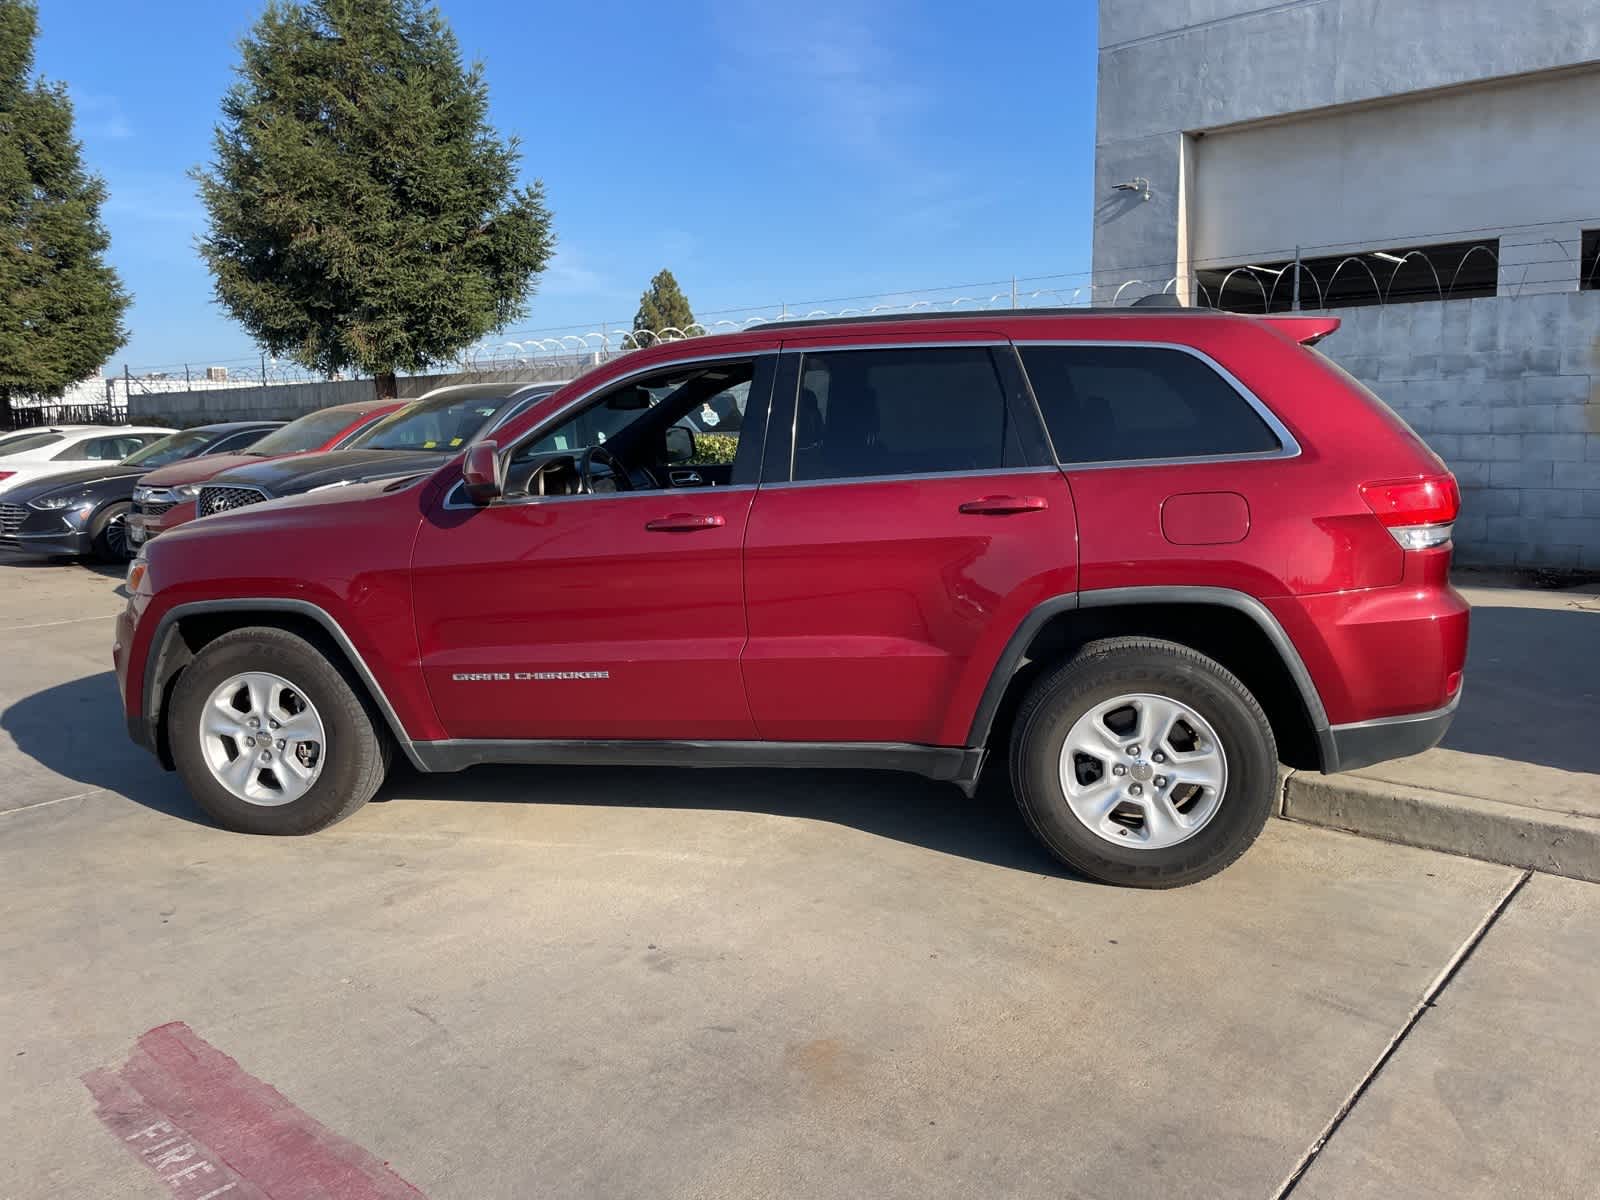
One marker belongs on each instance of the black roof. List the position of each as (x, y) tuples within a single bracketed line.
[(1008, 314)]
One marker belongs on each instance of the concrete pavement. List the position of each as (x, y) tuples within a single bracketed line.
[(657, 983)]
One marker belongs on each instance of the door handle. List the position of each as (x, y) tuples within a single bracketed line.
[(1001, 506), (685, 523)]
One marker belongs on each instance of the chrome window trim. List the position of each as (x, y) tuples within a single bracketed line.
[(1288, 444), (920, 476), (453, 503)]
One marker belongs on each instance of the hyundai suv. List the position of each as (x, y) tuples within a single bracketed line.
[(1139, 557)]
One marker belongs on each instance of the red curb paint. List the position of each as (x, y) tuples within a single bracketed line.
[(209, 1129)]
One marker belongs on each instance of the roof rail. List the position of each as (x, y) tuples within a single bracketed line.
[(1102, 310)]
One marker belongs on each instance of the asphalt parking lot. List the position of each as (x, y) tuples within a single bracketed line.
[(620, 983)]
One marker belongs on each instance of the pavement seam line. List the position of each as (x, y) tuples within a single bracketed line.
[(49, 624), (47, 803), (1440, 982)]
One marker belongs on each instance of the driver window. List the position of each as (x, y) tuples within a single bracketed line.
[(703, 404)]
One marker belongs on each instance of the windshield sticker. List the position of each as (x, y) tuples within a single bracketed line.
[(455, 441), (430, 444)]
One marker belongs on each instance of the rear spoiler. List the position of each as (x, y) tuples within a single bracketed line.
[(1308, 331)]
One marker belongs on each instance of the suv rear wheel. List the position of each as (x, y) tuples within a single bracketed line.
[(1144, 763), (270, 736)]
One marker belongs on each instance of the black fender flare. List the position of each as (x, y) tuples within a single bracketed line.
[(1010, 660), (161, 662)]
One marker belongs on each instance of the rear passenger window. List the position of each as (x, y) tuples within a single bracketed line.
[(1121, 403), (902, 412), (93, 450)]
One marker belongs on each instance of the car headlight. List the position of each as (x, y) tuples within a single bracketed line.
[(55, 501), (172, 495)]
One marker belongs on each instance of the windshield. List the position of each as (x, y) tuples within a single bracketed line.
[(16, 443), (309, 432), (170, 449), (445, 425)]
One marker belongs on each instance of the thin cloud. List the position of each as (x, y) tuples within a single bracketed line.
[(101, 116), (833, 79), (569, 275)]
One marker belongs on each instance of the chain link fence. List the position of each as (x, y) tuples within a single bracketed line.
[(1453, 265)]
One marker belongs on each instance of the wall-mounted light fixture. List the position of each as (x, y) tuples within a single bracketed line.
[(1137, 184)]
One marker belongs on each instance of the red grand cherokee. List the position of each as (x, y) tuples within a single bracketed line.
[(165, 499), (1141, 556)]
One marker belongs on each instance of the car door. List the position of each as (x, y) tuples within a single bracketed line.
[(910, 519), (609, 616)]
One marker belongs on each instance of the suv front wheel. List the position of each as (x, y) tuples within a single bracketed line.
[(1144, 763), (271, 737)]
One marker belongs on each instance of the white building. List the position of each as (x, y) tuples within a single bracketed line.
[(1426, 169)]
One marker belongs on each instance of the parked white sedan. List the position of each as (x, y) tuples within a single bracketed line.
[(30, 454)]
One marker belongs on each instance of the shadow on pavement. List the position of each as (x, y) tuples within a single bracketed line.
[(76, 729), (905, 808), (1532, 688)]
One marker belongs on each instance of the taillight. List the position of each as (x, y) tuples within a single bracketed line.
[(4, 475), (1418, 512)]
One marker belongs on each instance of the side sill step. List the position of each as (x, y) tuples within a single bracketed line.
[(955, 764)]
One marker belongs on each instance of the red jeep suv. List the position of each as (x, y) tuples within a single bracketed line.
[(1141, 556)]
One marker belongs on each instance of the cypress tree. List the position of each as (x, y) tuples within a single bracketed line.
[(663, 307), (61, 306), (363, 213)]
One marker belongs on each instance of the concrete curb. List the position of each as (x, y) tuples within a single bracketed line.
[(1557, 843)]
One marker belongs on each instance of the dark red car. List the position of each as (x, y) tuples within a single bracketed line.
[(165, 499), (1137, 556)]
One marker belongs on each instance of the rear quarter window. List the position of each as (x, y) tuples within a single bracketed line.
[(1127, 403)]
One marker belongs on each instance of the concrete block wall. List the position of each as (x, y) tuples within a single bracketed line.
[(1507, 391), (276, 402), (286, 401)]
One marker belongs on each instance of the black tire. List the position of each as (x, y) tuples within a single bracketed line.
[(108, 534), (1100, 672), (355, 758)]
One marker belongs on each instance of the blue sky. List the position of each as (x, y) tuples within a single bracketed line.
[(764, 151)]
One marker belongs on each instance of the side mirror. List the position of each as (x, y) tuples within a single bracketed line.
[(680, 444), (480, 473)]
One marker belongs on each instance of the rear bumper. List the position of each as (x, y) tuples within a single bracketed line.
[(1367, 742)]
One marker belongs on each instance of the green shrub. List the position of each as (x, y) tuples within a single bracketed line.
[(714, 448)]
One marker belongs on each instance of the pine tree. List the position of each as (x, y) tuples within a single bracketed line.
[(662, 309), (61, 306), (363, 213)]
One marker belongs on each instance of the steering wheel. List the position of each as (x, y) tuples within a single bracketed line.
[(598, 455)]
